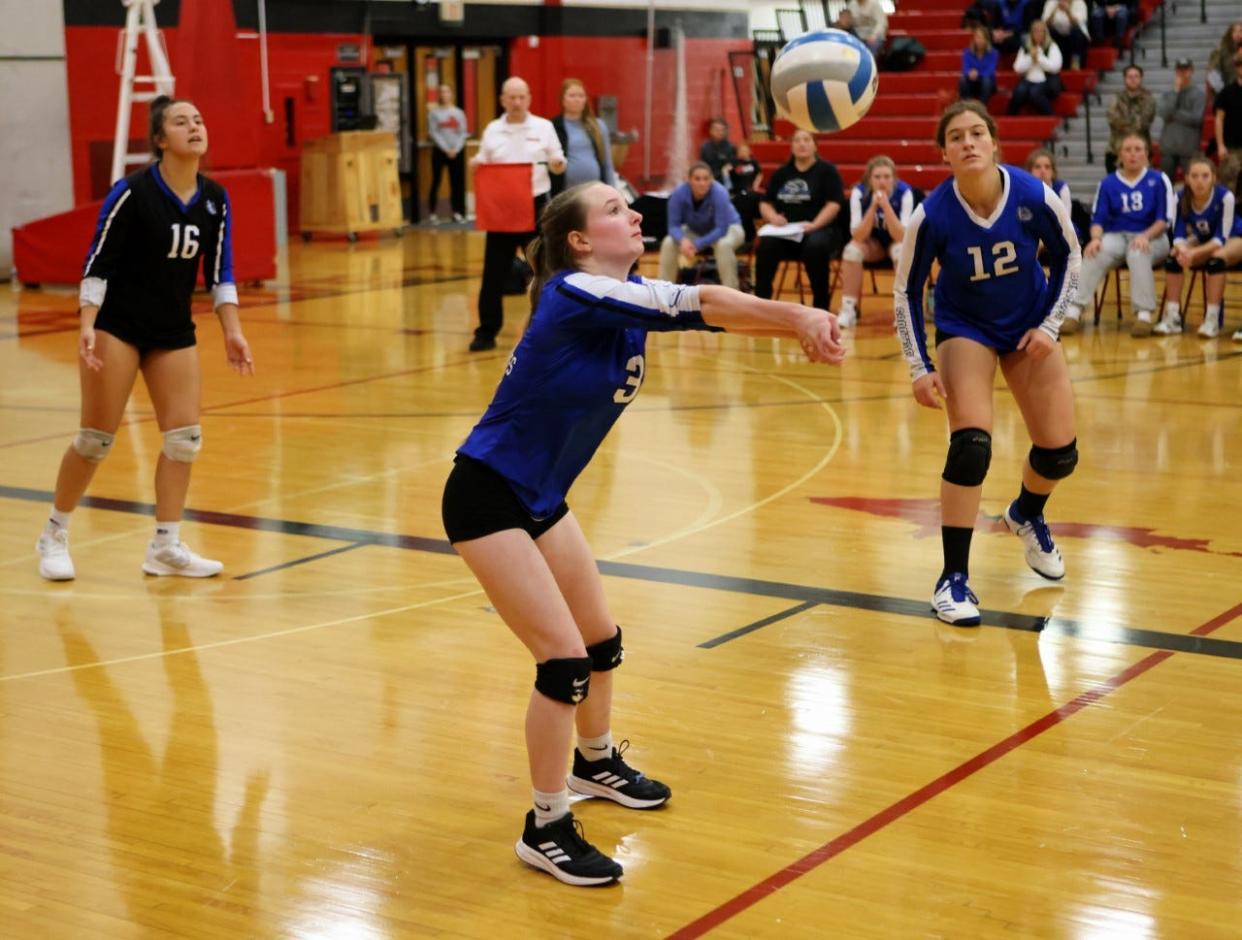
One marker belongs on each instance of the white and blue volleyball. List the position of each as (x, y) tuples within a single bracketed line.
[(824, 81)]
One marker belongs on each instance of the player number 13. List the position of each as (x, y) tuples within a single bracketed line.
[(1005, 257)]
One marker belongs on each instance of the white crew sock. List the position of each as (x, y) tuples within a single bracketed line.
[(1212, 316), (58, 520), (1172, 310), (596, 748), (167, 533), (549, 807)]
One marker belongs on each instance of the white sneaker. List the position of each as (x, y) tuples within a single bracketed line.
[(458, 217), (954, 602), (1209, 329), (847, 317), (54, 561), (177, 559), (1041, 553), (1168, 326), (433, 219), (1237, 335)]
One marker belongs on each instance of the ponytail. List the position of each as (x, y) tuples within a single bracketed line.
[(549, 251)]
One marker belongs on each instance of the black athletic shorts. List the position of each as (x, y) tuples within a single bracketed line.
[(145, 343), (479, 501)]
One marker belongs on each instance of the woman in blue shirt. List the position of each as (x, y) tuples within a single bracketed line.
[(979, 59), (577, 366), (994, 306), (584, 138)]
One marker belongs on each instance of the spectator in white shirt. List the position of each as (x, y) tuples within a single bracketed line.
[(870, 23), (516, 137), (1067, 21), (1038, 63)]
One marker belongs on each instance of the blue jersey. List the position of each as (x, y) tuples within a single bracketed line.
[(1121, 206), (579, 363), (902, 199), (1214, 221), (991, 287)]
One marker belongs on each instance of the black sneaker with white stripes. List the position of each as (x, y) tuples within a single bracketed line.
[(560, 849), (613, 779)]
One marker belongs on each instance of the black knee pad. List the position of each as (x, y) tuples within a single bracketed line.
[(970, 454), (1215, 266), (1055, 463), (1171, 265), (564, 680), (606, 654)]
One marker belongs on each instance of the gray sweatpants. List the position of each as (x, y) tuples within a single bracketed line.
[(1114, 247)]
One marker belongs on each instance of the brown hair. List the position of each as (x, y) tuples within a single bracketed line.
[(159, 106), (963, 106), (1183, 202), (1041, 152), (589, 122), (975, 32), (549, 251)]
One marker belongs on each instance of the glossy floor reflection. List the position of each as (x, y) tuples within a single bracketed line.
[(326, 741)]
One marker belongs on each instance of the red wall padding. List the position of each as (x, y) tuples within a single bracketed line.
[(52, 250)]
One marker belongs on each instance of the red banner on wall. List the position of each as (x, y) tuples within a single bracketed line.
[(502, 198)]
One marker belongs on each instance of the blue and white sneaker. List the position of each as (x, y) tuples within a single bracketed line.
[(1041, 553), (954, 602)]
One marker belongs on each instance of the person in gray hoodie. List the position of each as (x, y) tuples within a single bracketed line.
[(1182, 112), (446, 124)]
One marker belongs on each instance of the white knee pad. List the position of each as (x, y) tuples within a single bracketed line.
[(183, 444), (852, 252), (93, 445)]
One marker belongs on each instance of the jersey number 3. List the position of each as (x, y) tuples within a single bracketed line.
[(184, 243), (633, 382), (1004, 257)]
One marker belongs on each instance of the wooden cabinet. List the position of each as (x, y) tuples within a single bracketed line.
[(350, 184)]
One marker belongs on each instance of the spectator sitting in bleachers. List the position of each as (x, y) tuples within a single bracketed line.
[(978, 66), (745, 179), (1112, 20), (1131, 112), (870, 23), (1133, 211), (880, 208), (700, 217), (1042, 164), (1067, 21), (807, 193), (1038, 63), (1220, 65), (1227, 110), (1008, 24), (1182, 112), (718, 151), (845, 21), (1205, 213)]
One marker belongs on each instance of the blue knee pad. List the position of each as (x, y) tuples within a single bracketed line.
[(970, 455), (564, 680)]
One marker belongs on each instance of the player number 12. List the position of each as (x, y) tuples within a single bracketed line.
[(1005, 258)]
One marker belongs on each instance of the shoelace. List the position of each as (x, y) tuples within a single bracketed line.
[(960, 590), (620, 766), (1042, 534)]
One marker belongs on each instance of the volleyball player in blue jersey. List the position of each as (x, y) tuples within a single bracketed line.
[(1130, 222), (1205, 214), (993, 305), (155, 228), (577, 366)]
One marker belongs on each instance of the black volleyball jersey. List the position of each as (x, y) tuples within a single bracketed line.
[(143, 262)]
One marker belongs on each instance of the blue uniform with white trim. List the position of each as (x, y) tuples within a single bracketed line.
[(1122, 206), (143, 261), (1215, 221), (579, 363), (991, 287), (901, 198)]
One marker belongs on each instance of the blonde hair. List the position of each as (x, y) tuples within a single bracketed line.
[(549, 251), (878, 160)]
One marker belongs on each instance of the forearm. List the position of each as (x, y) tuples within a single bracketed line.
[(1155, 230), (230, 319), (87, 314), (824, 217), (736, 312)]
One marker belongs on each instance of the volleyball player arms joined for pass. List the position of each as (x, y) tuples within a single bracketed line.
[(577, 366), (154, 227), (993, 305)]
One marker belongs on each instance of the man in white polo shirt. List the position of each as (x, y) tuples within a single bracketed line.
[(517, 137)]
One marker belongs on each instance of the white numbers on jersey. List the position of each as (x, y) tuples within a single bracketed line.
[(1005, 260), (1132, 202), (636, 367), (184, 244), (512, 363)]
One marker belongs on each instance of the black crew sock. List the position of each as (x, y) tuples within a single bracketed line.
[(956, 543), (1031, 504)]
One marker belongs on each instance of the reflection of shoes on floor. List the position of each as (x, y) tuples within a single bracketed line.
[(482, 344), (1069, 326), (1141, 326)]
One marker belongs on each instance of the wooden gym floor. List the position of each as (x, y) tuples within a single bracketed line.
[(326, 740)]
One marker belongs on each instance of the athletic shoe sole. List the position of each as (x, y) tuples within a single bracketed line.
[(48, 576), (591, 788), (538, 860), (164, 571), (964, 622)]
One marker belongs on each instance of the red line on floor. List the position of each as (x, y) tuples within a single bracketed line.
[(907, 804)]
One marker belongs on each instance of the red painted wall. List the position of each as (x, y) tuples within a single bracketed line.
[(609, 66)]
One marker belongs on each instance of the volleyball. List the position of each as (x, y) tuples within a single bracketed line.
[(824, 81)]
